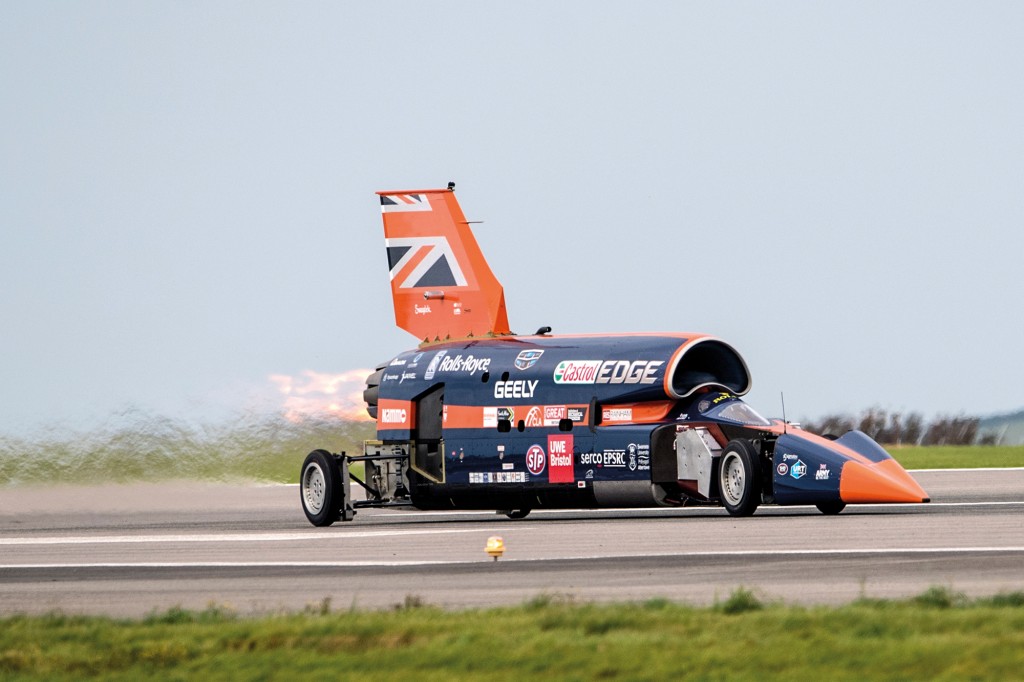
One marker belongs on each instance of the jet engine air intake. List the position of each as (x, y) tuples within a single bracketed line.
[(709, 363)]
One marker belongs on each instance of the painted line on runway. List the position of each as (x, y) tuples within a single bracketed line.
[(704, 507), (234, 537), (772, 554)]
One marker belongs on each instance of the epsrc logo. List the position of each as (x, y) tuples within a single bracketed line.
[(607, 372)]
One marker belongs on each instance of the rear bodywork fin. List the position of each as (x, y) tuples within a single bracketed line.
[(441, 285)]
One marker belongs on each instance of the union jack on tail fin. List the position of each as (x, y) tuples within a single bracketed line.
[(441, 284)]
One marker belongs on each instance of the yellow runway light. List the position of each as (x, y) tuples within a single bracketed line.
[(495, 546)]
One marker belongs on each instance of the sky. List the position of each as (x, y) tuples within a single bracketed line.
[(188, 224)]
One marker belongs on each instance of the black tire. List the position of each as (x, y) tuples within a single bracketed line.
[(320, 488), (739, 478), (831, 508), (518, 513)]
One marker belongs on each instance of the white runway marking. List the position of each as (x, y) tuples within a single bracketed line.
[(358, 564), (708, 507), (234, 537)]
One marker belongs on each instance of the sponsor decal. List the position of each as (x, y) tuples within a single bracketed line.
[(469, 364), (393, 415), (533, 418), (560, 469), (589, 475), (822, 473), (798, 469), (444, 412), (638, 457), (434, 362), (607, 458), (515, 389), (507, 413), (720, 397), (396, 363), (457, 309), (498, 477), (577, 414), (407, 375), (783, 468), (607, 372), (422, 309), (490, 417), (536, 458), (412, 363), (508, 466), (528, 358), (576, 371), (786, 458), (553, 414), (390, 377), (704, 406), (581, 484), (619, 414)]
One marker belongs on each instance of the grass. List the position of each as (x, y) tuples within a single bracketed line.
[(270, 448), (959, 456), (938, 635)]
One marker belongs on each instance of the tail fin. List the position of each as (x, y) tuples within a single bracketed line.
[(441, 285)]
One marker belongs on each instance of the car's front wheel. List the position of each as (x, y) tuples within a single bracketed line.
[(739, 478)]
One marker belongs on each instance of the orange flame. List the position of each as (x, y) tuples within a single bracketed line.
[(317, 394)]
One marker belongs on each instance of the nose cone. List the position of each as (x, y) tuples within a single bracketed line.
[(884, 481)]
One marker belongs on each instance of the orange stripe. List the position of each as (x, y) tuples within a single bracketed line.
[(472, 416), (639, 413)]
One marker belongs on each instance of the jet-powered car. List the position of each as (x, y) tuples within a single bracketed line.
[(477, 417)]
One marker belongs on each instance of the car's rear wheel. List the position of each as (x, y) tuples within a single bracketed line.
[(320, 488), (739, 478)]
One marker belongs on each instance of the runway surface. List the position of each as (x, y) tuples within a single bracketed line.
[(132, 550)]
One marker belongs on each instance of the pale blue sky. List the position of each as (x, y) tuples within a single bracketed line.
[(187, 207)]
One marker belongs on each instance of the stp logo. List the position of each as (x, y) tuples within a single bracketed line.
[(535, 460)]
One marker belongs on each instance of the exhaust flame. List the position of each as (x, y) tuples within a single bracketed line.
[(317, 394)]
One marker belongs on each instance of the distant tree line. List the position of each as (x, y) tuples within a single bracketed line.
[(897, 428)]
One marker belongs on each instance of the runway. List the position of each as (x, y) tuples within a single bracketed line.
[(132, 550)]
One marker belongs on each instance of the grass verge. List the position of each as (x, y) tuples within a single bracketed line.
[(959, 456), (937, 635)]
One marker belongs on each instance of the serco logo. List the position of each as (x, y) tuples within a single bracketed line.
[(607, 372), (535, 460), (393, 415)]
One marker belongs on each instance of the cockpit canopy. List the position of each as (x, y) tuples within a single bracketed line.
[(729, 408)]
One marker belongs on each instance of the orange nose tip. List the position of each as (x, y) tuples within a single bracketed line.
[(885, 481)]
